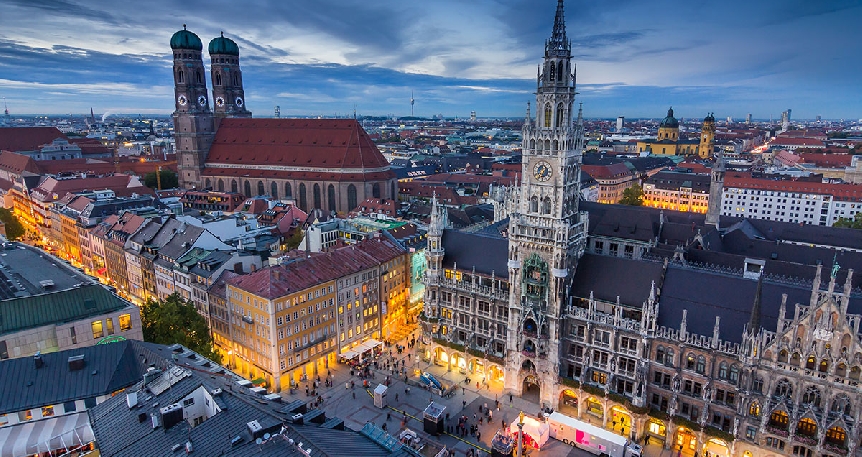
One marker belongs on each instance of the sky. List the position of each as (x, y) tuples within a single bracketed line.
[(326, 57)]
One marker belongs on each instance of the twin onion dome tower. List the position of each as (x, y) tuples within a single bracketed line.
[(195, 122), (322, 164)]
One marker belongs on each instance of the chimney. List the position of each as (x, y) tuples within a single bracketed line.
[(76, 362), (38, 360)]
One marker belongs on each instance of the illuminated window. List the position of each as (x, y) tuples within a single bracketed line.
[(47, 411), (97, 329)]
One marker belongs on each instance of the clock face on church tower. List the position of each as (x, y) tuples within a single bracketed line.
[(542, 171)]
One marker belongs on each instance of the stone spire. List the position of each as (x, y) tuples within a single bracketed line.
[(754, 319), (558, 41), (716, 191)]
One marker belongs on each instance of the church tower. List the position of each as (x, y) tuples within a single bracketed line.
[(707, 137), (547, 235), (716, 191), (668, 129), (228, 95), (193, 119)]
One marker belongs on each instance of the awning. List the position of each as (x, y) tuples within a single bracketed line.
[(57, 433)]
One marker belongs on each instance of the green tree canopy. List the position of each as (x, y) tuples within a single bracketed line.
[(14, 229), (845, 222), (633, 196), (169, 180), (175, 320)]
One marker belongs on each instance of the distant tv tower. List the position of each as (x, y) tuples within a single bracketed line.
[(5, 107), (277, 112), (412, 101)]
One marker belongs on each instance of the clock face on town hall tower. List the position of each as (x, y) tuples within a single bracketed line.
[(542, 171)]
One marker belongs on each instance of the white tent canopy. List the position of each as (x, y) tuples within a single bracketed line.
[(361, 349), (538, 431)]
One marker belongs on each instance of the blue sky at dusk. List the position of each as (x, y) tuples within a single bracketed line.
[(323, 57)]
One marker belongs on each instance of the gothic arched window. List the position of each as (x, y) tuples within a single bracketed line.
[(534, 204), (701, 364), (247, 188), (180, 77), (288, 192), (235, 79), (198, 77), (734, 374), (220, 185), (375, 190), (560, 115), (548, 114), (351, 197), (546, 205), (330, 196), (560, 71), (207, 183), (273, 188), (233, 186), (553, 72), (218, 79), (261, 190), (303, 204), (316, 194)]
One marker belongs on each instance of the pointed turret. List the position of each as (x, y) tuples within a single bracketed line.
[(559, 43), (754, 318)]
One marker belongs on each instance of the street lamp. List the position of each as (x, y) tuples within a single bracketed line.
[(521, 434)]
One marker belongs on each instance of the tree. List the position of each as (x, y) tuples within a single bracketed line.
[(294, 240), (175, 320), (14, 229), (169, 180), (844, 222), (633, 196)]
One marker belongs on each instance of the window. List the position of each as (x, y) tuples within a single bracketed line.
[(47, 411), (110, 323), (659, 354), (4, 351), (69, 407), (750, 433), (24, 416), (90, 402), (188, 402), (701, 364), (97, 329), (3, 420)]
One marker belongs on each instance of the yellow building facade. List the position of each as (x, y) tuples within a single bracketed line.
[(668, 142)]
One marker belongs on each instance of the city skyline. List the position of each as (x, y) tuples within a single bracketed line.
[(324, 58)]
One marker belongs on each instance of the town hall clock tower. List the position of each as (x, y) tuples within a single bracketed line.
[(547, 234)]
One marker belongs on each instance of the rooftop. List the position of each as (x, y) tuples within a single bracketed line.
[(24, 270)]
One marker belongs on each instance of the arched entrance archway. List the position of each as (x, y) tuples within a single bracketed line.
[(595, 408), (657, 429), (568, 403), (716, 447), (685, 438), (530, 390), (495, 373), (441, 357), (459, 363), (477, 366), (620, 420)]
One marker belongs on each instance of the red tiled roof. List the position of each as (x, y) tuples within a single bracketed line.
[(826, 160), (102, 166), (796, 141), (282, 280), (27, 138), (311, 143), (300, 175), (90, 146), (616, 170), (840, 191), (18, 163), (120, 184)]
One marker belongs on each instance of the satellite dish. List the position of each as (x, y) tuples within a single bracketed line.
[(266, 436), (258, 441)]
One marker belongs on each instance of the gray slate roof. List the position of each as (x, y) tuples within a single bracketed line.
[(611, 277), (483, 251), (108, 368)]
